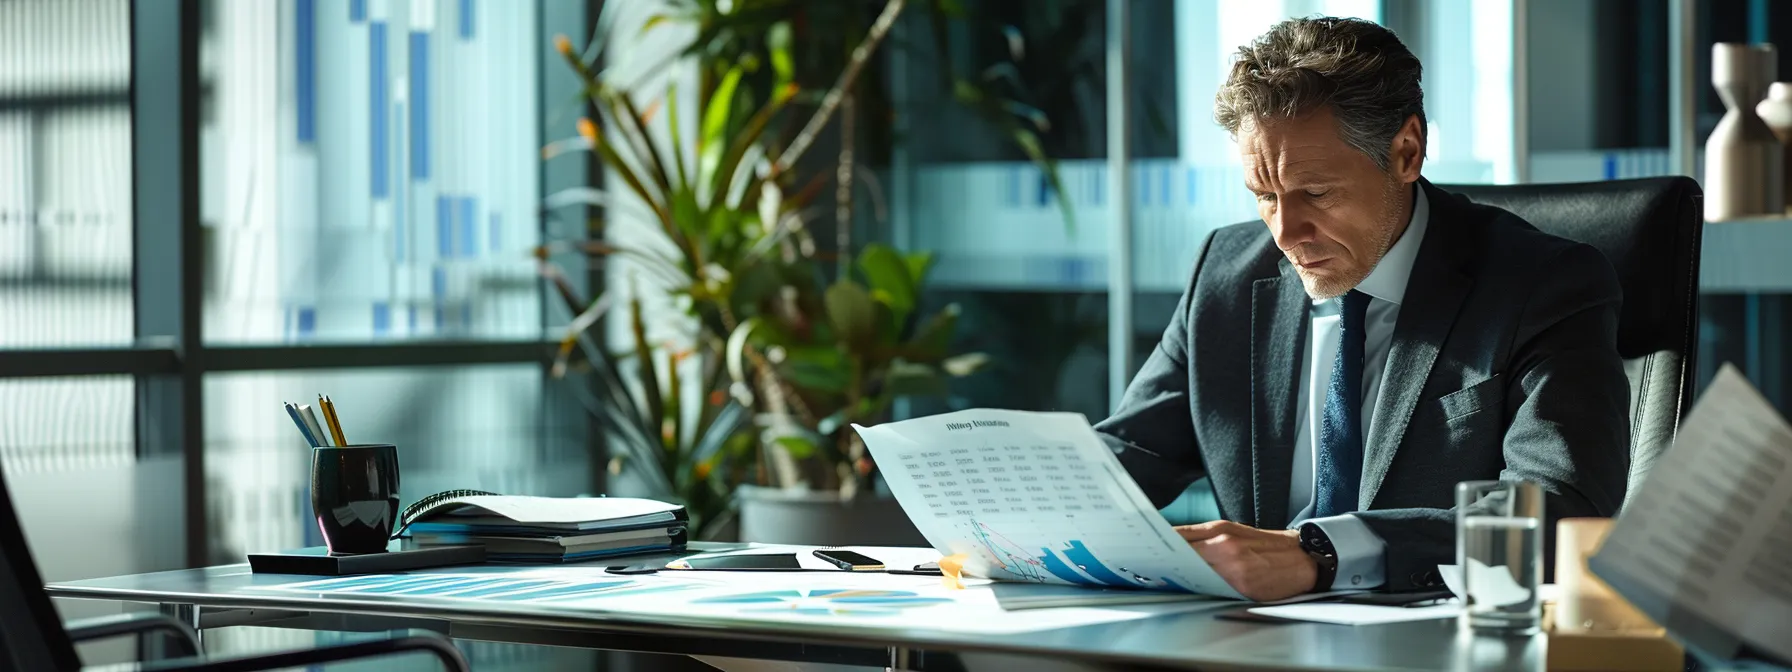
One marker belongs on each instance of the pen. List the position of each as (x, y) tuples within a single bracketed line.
[(303, 430), (329, 407), (317, 430)]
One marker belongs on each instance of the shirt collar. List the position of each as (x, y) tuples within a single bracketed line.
[(1388, 279)]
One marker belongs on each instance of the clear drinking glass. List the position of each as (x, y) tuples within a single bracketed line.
[(1499, 549)]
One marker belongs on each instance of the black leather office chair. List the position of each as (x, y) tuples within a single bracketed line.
[(1650, 231), (32, 636)]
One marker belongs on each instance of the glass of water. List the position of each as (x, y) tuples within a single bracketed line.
[(1499, 550)]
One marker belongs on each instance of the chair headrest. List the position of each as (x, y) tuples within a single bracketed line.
[(1649, 229)]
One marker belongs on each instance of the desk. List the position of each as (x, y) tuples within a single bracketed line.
[(226, 596)]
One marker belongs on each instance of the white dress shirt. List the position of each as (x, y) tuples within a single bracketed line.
[(1360, 550)]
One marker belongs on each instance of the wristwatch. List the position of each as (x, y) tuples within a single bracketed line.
[(1325, 557)]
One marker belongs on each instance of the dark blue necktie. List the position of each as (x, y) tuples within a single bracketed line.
[(1341, 427)]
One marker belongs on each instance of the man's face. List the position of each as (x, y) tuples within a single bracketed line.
[(1332, 211)]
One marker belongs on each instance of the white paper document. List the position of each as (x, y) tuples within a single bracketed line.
[(524, 509), (1707, 541), (1359, 614), (871, 602), (1033, 497)]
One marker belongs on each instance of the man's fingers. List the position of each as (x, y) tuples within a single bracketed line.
[(1205, 531)]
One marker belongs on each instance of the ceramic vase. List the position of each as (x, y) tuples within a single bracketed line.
[(1744, 161), (1776, 111)]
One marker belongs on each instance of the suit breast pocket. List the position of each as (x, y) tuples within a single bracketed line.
[(1486, 395)]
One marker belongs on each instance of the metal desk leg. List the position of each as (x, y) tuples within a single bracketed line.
[(151, 647), (899, 659)]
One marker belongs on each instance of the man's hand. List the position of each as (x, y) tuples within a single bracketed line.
[(1263, 565)]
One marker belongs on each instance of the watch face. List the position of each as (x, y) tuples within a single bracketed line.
[(1313, 539)]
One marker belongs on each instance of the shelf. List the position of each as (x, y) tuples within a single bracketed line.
[(1747, 256)]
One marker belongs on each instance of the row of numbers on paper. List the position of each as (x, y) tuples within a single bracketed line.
[(1006, 479)]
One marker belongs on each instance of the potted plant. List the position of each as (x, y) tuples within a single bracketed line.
[(679, 435), (824, 362), (790, 345), (741, 258)]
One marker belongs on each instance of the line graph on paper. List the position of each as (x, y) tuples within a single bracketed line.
[(1032, 497), (1034, 510), (1006, 556)]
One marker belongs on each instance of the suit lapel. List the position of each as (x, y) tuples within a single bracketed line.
[(1434, 295), (1278, 329)]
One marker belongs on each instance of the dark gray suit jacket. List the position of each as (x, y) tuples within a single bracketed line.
[(1504, 364)]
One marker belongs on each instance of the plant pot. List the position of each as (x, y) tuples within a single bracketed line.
[(822, 518)]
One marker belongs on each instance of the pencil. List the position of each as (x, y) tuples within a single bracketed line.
[(303, 430), (330, 417), (317, 429)]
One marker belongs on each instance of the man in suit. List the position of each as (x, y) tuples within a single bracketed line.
[(1336, 373)]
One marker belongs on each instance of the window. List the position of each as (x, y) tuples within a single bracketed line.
[(370, 170), (148, 333), (65, 173)]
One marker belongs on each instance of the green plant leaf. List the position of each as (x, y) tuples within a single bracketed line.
[(777, 42), (713, 140), (650, 378), (888, 328), (723, 178), (629, 123), (686, 213), (918, 265), (909, 379), (653, 21), (676, 135), (799, 447), (888, 274), (852, 313), (817, 369), (933, 340), (718, 432)]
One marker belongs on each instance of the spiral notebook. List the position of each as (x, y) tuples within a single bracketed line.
[(545, 529)]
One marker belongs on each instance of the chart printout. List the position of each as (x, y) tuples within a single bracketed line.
[(1033, 497)]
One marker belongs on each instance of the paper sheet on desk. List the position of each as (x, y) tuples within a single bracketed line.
[(1358, 614), (1033, 497), (1708, 533), (525, 509), (1495, 584), (848, 600)]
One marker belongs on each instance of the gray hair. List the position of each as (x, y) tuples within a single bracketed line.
[(1361, 70)]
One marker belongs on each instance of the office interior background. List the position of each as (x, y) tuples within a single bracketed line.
[(359, 211)]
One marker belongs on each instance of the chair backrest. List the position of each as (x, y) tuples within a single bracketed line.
[(1649, 229), (31, 634)]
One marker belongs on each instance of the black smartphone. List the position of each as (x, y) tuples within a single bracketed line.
[(850, 561), (925, 569)]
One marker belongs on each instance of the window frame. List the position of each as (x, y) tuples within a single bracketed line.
[(168, 357)]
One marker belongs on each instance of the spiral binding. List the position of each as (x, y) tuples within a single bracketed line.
[(427, 504)]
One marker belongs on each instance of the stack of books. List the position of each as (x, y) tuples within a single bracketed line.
[(547, 529)]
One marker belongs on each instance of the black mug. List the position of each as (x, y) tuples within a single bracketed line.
[(354, 494)]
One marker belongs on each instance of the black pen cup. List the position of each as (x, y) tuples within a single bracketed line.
[(354, 494)]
